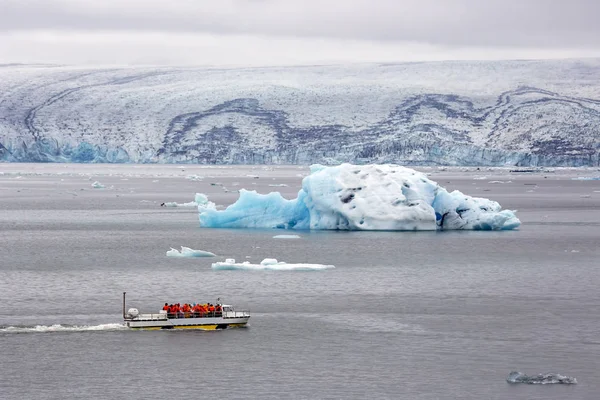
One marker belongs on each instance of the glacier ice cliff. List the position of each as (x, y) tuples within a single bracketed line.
[(528, 113), (368, 197)]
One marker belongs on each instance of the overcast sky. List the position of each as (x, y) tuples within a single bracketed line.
[(280, 32)]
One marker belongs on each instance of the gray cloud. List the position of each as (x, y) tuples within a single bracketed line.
[(516, 23)]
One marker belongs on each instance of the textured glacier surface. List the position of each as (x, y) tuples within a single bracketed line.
[(368, 197), (268, 264), (445, 113)]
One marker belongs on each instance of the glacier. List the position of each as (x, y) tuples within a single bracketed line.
[(363, 197), (496, 113)]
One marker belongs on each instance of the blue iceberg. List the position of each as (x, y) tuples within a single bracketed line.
[(363, 197)]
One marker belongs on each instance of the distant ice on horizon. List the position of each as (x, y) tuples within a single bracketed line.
[(363, 197)]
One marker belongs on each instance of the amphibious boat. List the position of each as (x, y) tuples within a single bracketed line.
[(226, 317)]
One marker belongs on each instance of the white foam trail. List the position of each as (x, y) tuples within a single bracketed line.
[(61, 328)]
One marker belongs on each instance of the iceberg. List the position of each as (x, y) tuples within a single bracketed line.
[(97, 185), (363, 197), (268, 264), (187, 252), (286, 237), (540, 379)]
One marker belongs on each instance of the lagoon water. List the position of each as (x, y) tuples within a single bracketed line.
[(404, 315)]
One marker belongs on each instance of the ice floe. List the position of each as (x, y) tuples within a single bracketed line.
[(187, 252), (286, 237), (200, 201), (363, 197), (540, 379), (97, 185), (268, 264)]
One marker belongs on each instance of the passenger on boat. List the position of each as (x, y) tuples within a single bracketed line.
[(197, 310), (186, 310), (166, 307)]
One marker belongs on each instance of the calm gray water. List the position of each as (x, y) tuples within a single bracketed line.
[(403, 316)]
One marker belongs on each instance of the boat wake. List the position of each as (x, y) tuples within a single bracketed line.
[(61, 328)]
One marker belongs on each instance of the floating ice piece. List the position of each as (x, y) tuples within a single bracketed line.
[(97, 185), (187, 252), (363, 197), (268, 264), (200, 201), (496, 182), (278, 185), (541, 379), (286, 237), (586, 178), (194, 178)]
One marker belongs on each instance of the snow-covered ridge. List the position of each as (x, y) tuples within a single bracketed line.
[(455, 113)]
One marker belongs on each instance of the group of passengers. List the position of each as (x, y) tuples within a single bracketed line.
[(192, 311)]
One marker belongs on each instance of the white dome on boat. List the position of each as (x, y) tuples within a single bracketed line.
[(133, 312)]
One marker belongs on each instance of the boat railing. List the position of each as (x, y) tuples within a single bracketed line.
[(143, 317)]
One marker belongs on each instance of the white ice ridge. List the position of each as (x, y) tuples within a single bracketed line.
[(187, 252), (363, 197), (268, 264), (61, 328), (200, 201)]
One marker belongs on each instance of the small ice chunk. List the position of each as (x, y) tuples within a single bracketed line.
[(187, 252), (540, 379), (286, 237), (200, 201), (278, 185), (97, 185), (268, 264)]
